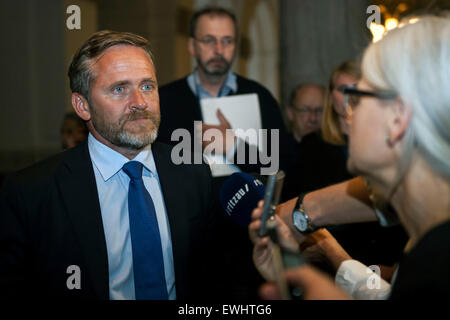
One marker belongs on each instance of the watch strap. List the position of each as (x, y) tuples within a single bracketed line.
[(301, 196), (299, 207)]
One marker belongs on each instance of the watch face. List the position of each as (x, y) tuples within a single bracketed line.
[(303, 224), (300, 221)]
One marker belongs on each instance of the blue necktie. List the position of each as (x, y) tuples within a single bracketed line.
[(148, 263)]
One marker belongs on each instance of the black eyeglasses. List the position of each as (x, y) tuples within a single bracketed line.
[(212, 42), (352, 96)]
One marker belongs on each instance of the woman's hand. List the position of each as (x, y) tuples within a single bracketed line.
[(322, 246), (314, 284), (262, 251)]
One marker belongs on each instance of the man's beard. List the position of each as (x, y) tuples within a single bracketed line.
[(211, 71), (121, 137)]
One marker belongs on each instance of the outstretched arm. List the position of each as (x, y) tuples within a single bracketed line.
[(343, 203)]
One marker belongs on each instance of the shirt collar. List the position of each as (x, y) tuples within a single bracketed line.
[(194, 83), (109, 161)]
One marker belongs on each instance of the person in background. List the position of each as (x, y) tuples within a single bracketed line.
[(73, 131), (335, 125), (320, 158), (304, 116), (304, 112), (213, 43)]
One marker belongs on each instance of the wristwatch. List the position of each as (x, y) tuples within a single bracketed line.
[(300, 218)]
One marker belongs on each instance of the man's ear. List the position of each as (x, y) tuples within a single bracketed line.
[(191, 46), (81, 106), (400, 119)]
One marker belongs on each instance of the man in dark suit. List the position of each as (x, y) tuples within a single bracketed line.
[(213, 44), (93, 221)]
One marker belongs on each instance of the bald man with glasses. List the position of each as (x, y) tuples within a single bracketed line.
[(304, 112)]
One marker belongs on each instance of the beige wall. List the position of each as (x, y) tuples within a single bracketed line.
[(153, 19), (182, 58), (260, 26), (318, 35), (33, 81)]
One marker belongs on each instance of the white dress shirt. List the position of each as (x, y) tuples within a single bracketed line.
[(360, 282), (112, 186)]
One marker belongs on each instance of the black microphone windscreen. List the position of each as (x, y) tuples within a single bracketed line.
[(239, 195)]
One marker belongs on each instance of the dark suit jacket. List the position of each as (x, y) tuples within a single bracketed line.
[(50, 219)]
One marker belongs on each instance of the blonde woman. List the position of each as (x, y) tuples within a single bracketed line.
[(335, 120)]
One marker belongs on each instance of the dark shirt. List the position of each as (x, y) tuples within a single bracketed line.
[(424, 273), (314, 164)]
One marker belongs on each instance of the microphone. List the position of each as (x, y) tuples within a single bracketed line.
[(239, 195)]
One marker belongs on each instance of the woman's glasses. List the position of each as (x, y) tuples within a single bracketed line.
[(352, 96)]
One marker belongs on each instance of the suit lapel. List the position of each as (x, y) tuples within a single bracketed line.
[(79, 192), (178, 221)]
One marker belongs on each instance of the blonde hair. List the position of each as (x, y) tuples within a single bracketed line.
[(331, 130), (414, 61)]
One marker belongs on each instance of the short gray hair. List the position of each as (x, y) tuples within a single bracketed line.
[(414, 61), (80, 73)]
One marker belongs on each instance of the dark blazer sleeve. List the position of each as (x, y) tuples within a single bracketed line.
[(188, 200), (38, 240)]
